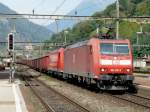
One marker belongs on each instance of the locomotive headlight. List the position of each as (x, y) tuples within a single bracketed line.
[(102, 69), (128, 70)]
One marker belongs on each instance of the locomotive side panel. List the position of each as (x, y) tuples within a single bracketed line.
[(77, 60), (55, 60), (53, 65), (61, 60)]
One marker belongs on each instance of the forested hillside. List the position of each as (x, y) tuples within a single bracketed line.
[(129, 8)]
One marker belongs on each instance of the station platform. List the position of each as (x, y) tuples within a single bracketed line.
[(146, 75), (143, 80), (11, 99)]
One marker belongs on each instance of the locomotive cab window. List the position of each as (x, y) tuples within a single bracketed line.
[(112, 48), (106, 48), (121, 48)]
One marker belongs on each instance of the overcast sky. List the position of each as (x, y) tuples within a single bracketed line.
[(41, 6)]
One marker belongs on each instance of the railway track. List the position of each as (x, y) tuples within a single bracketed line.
[(135, 99), (52, 100), (53, 107), (144, 71)]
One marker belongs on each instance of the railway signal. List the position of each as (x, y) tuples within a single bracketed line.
[(11, 54), (10, 42)]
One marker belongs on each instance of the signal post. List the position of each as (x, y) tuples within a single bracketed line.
[(11, 55)]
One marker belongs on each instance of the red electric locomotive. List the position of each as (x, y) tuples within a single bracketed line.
[(56, 61), (52, 62), (108, 62)]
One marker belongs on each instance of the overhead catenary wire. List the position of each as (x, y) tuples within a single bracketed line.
[(87, 7), (71, 17), (57, 8), (37, 6)]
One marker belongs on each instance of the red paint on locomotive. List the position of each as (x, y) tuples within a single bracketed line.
[(103, 60), (107, 62)]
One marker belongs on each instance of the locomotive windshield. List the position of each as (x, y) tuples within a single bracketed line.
[(114, 48)]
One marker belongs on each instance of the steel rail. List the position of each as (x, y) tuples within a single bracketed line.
[(65, 97), (123, 97), (141, 97), (48, 107)]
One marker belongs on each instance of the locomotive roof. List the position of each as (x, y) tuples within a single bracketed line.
[(78, 44), (115, 41), (47, 54), (87, 42)]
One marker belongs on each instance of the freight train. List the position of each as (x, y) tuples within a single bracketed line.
[(106, 63)]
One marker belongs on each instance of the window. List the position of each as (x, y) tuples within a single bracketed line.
[(112, 48), (121, 49), (106, 48)]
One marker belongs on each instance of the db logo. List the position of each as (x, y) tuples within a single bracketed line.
[(116, 62)]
